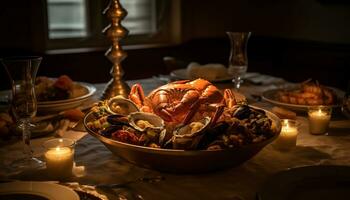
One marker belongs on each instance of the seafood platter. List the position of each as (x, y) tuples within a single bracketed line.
[(183, 126), (300, 96)]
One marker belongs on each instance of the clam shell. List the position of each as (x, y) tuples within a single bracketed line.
[(155, 120), (120, 105), (182, 131), (183, 139)]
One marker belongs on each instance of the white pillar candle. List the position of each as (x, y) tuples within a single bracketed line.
[(288, 136), (319, 119), (59, 157), (59, 162)]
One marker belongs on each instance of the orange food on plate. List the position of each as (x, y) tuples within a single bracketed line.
[(64, 83), (310, 93), (62, 88)]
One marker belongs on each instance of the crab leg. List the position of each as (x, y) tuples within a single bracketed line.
[(193, 110), (217, 114), (160, 109), (137, 95), (229, 98)]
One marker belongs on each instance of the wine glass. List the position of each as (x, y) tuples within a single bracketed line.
[(22, 73), (238, 61)]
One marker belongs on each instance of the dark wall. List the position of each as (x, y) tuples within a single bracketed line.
[(293, 39), (313, 20)]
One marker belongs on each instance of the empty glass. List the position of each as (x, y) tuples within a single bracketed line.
[(238, 61), (22, 73)]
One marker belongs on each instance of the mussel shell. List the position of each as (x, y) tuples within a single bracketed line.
[(155, 120), (242, 112), (107, 132), (212, 134), (118, 120), (125, 106), (164, 137)]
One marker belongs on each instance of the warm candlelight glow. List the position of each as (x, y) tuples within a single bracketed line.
[(288, 136), (319, 118), (59, 158)]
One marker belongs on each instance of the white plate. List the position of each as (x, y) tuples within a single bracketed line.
[(43, 189), (271, 97), (90, 90), (182, 74), (56, 106), (311, 182)]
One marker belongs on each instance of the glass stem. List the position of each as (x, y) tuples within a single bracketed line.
[(26, 134), (237, 83)]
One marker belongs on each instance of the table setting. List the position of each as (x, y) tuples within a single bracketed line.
[(203, 131), (94, 164)]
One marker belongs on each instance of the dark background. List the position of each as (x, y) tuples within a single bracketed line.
[(295, 40)]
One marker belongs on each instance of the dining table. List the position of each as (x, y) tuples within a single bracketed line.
[(94, 164)]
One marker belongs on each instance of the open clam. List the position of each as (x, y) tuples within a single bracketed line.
[(143, 121), (188, 136), (120, 105)]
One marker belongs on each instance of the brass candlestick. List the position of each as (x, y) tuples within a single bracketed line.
[(115, 32)]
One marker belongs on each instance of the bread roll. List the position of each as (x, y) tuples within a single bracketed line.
[(208, 71)]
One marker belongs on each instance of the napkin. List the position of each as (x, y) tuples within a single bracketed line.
[(262, 79)]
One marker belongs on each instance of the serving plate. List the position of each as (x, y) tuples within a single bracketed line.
[(59, 105), (36, 190), (182, 74), (271, 96), (322, 182), (183, 161)]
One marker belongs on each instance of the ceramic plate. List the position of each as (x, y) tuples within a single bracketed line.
[(182, 74), (271, 96), (56, 106), (36, 190), (310, 182)]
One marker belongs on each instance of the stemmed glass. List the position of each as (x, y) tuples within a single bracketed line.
[(238, 61), (22, 73)]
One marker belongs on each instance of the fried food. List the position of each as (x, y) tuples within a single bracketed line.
[(310, 93)]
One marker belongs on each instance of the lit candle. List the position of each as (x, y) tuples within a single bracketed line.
[(288, 136), (59, 158), (319, 118)]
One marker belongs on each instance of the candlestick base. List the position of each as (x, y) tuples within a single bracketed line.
[(115, 87)]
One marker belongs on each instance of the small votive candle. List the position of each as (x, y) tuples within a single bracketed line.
[(319, 118), (59, 157), (288, 136)]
